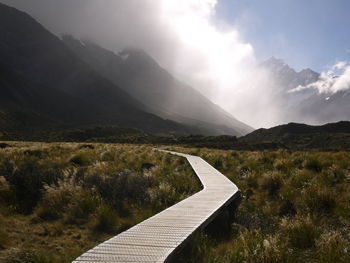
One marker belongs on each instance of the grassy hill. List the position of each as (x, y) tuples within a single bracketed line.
[(302, 136)]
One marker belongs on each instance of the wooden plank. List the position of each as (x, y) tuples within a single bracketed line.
[(156, 239)]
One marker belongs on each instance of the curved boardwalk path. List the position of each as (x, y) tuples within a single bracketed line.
[(159, 237)]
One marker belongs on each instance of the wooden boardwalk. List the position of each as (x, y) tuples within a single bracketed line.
[(159, 237)]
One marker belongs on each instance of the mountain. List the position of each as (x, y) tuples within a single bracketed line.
[(44, 85), (140, 75), (298, 136), (321, 108), (286, 76), (304, 105)]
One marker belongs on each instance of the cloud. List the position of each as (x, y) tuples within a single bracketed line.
[(210, 54), (339, 65), (184, 36), (336, 79)]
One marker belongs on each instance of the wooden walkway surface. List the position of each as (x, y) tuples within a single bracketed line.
[(157, 238)]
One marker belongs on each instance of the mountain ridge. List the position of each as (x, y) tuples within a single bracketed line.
[(45, 72), (298, 136), (304, 105), (141, 76)]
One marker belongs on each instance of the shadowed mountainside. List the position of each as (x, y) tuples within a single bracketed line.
[(43, 84), (302, 136), (141, 76)]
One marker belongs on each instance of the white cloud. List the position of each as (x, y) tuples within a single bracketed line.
[(211, 59), (336, 79), (340, 65)]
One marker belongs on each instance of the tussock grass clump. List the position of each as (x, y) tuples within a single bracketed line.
[(301, 232), (27, 178), (250, 246), (67, 201), (107, 220), (54, 203), (30, 256), (271, 183), (83, 204), (313, 164), (120, 188), (319, 200), (4, 236), (80, 159), (4, 145), (332, 248), (287, 208)]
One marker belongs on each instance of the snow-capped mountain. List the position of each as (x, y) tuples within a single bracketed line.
[(303, 105), (286, 76)]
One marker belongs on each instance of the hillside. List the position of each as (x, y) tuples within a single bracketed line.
[(140, 75), (302, 136), (44, 85)]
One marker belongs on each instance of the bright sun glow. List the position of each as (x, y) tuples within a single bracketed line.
[(223, 55)]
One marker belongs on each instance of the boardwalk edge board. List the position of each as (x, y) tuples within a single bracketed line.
[(160, 237)]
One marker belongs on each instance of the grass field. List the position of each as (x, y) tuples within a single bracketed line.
[(59, 199), (295, 208)]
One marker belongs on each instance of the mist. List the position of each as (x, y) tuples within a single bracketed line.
[(336, 79), (187, 39)]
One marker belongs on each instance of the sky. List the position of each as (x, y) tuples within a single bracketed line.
[(306, 33), (215, 45)]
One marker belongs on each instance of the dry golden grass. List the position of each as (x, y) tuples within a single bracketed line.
[(295, 207), (59, 199)]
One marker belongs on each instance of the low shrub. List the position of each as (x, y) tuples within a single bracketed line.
[(4, 238), (164, 195), (333, 248), (107, 156), (28, 256), (287, 208), (106, 220), (124, 186), (218, 163), (301, 232), (271, 183), (81, 206), (80, 159), (319, 200), (28, 178), (4, 145), (252, 246), (54, 203), (313, 164)]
